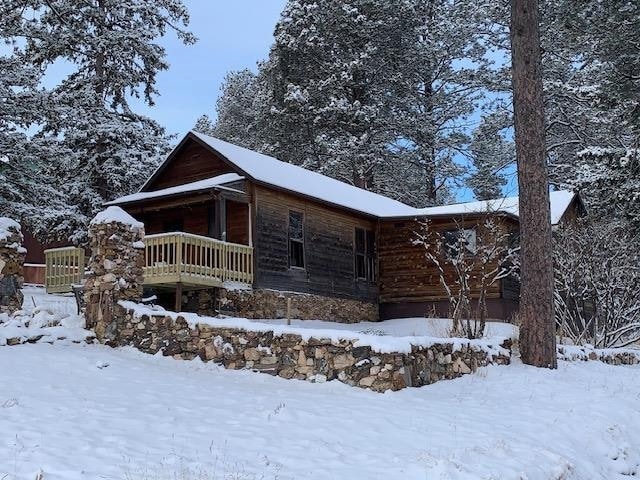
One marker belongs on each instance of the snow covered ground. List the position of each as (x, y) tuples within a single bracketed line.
[(403, 327), (43, 318), (87, 411), (78, 411)]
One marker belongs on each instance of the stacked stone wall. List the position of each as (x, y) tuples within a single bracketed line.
[(293, 356), (12, 255)]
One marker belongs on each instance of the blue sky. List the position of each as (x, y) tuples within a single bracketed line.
[(232, 35)]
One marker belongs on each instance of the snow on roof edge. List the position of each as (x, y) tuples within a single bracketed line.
[(366, 203), (559, 202), (271, 171), (217, 181)]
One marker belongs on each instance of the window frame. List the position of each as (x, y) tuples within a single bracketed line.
[(300, 241), (368, 255), (471, 248)]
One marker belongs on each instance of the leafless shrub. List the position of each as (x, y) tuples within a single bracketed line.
[(469, 260), (597, 283)]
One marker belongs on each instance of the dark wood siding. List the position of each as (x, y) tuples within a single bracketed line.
[(237, 223), (191, 164), (328, 248), (194, 219), (405, 273)]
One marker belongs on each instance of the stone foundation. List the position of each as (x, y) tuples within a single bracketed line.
[(273, 304), (290, 355), (115, 269), (12, 255)]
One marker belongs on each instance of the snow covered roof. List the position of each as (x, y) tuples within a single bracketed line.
[(273, 172), (559, 201), (192, 187)]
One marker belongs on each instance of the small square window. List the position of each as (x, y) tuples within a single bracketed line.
[(454, 240)]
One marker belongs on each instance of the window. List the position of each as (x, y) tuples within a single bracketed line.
[(454, 240), (365, 254), (296, 240)]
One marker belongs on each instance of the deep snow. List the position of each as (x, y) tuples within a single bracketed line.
[(86, 412), (78, 411)]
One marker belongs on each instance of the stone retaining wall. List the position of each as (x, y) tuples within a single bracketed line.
[(290, 355), (273, 304), (610, 356), (12, 255)]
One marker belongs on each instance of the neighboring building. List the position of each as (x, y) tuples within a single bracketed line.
[(280, 229)]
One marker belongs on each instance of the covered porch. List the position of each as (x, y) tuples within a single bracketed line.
[(196, 236)]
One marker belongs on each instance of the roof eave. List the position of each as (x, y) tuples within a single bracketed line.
[(215, 188)]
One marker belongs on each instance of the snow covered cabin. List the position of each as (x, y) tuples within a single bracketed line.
[(252, 230)]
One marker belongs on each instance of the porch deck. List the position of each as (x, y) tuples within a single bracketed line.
[(194, 260), (171, 260)]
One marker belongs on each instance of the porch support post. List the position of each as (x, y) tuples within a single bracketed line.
[(222, 218), (178, 297), (250, 226)]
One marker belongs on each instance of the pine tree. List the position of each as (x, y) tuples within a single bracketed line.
[(238, 112), (490, 153), (25, 190), (372, 93), (537, 328), (594, 132), (95, 145)]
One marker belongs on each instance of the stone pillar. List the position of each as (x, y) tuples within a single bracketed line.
[(12, 255), (115, 270)]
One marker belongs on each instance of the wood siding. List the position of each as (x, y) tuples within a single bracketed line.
[(194, 219), (192, 163), (328, 248), (237, 223), (405, 273)]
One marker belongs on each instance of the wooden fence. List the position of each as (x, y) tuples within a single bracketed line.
[(64, 268)]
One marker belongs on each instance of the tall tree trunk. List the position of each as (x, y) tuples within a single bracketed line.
[(537, 326)]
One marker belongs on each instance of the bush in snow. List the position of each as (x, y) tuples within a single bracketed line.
[(469, 260), (597, 283)]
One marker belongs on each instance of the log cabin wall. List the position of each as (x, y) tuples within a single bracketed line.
[(192, 163), (237, 222), (328, 247), (410, 284), (189, 219)]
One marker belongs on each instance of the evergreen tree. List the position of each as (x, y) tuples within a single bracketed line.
[(377, 94), (537, 329), (26, 192), (238, 112), (96, 147), (490, 153)]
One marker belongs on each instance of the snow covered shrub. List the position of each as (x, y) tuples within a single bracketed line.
[(469, 260), (597, 283)]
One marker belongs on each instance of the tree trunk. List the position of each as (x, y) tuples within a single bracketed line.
[(537, 325)]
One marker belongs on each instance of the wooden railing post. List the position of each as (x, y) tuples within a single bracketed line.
[(178, 258)]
